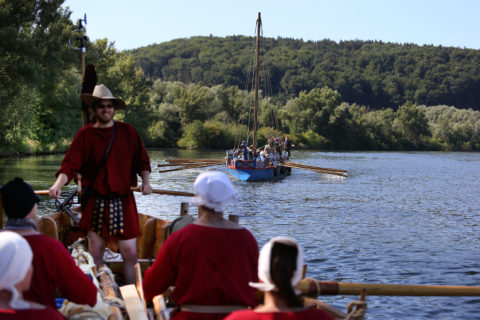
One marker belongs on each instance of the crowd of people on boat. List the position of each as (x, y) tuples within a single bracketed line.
[(212, 266), (274, 152)]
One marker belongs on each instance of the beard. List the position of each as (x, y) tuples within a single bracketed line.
[(104, 118)]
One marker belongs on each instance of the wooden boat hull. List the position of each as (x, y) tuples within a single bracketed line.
[(246, 170)]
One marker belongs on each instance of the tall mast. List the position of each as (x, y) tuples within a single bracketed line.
[(82, 39), (257, 62)]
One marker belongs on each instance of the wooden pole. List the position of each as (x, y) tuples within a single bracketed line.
[(313, 288), (233, 218), (183, 209), (169, 192), (136, 189), (313, 167), (337, 173), (257, 79)]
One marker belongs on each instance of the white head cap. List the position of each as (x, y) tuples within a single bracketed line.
[(213, 190), (14, 264), (264, 264)]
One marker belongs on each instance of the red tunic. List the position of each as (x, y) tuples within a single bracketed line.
[(207, 266), (308, 314), (54, 267), (126, 159), (31, 314)]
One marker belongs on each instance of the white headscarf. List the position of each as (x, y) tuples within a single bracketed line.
[(213, 190), (264, 264), (14, 264)]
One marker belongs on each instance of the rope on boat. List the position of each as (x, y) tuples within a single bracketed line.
[(356, 310), (81, 314)]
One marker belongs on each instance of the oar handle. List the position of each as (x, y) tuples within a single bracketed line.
[(41, 192), (169, 192), (312, 288)]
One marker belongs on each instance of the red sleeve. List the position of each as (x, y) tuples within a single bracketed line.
[(74, 285), (141, 162), (162, 274), (72, 162)]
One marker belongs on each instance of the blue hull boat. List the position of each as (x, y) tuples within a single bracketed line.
[(246, 170)]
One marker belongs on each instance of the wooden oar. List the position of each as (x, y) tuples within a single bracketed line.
[(169, 192), (342, 174), (313, 167), (156, 191), (194, 160), (190, 166), (314, 288)]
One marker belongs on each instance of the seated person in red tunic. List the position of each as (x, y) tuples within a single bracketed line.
[(54, 266), (210, 261), (15, 277), (280, 270)]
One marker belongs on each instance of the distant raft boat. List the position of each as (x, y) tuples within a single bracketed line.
[(248, 170)]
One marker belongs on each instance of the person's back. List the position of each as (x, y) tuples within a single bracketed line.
[(54, 267), (280, 270), (305, 314), (212, 266), (15, 277), (210, 262)]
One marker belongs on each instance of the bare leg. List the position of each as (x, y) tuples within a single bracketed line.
[(128, 249), (96, 247)]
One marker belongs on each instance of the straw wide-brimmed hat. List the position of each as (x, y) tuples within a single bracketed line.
[(102, 92)]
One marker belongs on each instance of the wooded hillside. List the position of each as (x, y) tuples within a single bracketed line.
[(190, 93), (375, 74)]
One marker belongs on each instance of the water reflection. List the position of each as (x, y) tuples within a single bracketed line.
[(407, 218)]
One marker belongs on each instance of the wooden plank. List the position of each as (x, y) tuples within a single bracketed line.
[(138, 284), (117, 266), (134, 306), (48, 226), (160, 307), (147, 239)]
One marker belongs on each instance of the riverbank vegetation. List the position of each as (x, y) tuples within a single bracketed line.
[(189, 93)]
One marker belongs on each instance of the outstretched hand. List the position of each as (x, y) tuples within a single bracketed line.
[(146, 188), (54, 191)]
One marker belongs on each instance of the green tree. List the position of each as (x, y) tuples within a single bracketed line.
[(412, 123)]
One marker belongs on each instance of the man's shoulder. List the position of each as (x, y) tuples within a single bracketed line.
[(126, 126)]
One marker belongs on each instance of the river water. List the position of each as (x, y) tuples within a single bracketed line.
[(399, 218)]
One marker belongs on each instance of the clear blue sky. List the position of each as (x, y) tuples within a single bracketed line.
[(135, 23)]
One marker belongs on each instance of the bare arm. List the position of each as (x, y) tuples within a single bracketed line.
[(56, 188), (146, 188)]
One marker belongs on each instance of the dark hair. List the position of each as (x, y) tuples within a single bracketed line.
[(283, 263), (18, 198)]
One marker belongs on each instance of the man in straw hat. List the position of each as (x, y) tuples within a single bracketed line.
[(109, 155)]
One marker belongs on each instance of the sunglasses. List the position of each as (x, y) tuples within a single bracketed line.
[(108, 106)]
